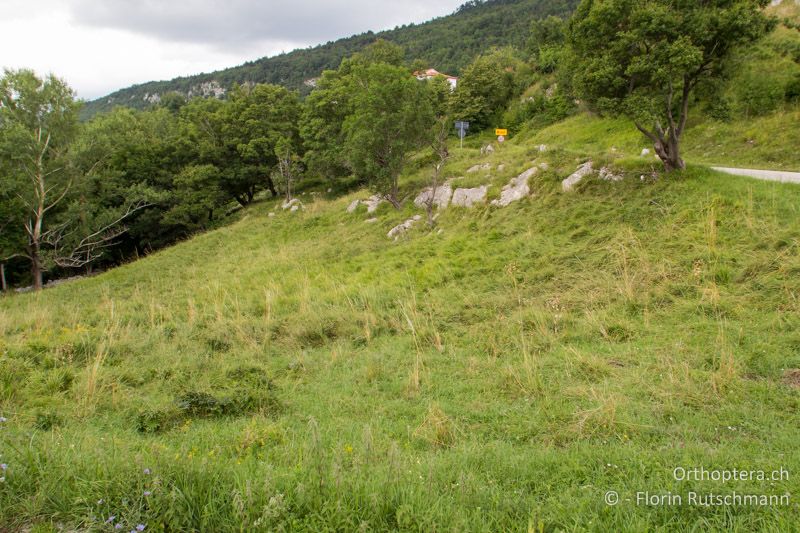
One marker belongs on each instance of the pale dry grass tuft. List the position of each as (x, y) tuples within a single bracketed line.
[(437, 429)]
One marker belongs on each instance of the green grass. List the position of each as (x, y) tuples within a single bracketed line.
[(304, 373), (769, 142)]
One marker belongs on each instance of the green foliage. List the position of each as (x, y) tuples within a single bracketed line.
[(391, 117), (643, 59), (487, 86), (759, 94), (198, 194), (447, 43), (38, 121), (538, 110), (793, 89), (324, 113), (254, 120), (547, 39)]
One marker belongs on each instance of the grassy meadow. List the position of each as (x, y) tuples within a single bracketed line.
[(501, 372)]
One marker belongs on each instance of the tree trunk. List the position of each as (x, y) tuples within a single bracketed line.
[(271, 187), (667, 145), (3, 284), (669, 152), (36, 267), (393, 195)]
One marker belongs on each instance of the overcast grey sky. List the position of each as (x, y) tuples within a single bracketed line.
[(99, 46)]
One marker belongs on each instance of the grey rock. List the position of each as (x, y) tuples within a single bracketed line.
[(470, 197), (353, 206), (441, 199), (397, 231), (373, 203), (542, 147), (517, 189), (607, 174), (291, 204), (583, 171), (478, 168)]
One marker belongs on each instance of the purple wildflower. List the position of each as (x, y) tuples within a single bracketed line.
[(147, 493), (140, 527), (111, 519), (146, 471), (3, 466), (118, 526)]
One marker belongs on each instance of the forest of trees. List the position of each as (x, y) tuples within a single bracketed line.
[(79, 196)]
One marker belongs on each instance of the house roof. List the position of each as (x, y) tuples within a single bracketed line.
[(432, 73)]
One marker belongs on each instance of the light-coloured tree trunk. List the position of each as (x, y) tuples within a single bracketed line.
[(3, 284)]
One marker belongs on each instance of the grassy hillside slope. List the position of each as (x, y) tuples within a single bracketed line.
[(768, 142), (502, 372), (447, 43)]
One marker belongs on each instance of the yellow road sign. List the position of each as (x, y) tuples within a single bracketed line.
[(500, 132)]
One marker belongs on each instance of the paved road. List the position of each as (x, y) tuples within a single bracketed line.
[(768, 175)]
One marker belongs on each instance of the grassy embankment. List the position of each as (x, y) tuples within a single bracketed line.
[(303, 372)]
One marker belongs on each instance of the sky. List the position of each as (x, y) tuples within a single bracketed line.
[(99, 46)]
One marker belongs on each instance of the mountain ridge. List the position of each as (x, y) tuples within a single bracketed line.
[(447, 43)]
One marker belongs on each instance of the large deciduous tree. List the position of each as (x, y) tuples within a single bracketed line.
[(256, 119), (38, 120), (391, 116), (644, 58)]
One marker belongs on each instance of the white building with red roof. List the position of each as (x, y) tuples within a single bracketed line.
[(433, 73)]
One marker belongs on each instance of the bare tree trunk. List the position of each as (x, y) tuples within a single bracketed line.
[(36, 266), (439, 146), (669, 153), (393, 196), (667, 146), (3, 284)]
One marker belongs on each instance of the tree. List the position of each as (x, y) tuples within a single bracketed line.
[(546, 41), (255, 119), (324, 113), (38, 120), (644, 58), (391, 117), (331, 102), (439, 135), (12, 236), (288, 166), (487, 86), (197, 196), (122, 160)]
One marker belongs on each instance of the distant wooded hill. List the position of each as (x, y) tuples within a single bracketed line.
[(447, 43)]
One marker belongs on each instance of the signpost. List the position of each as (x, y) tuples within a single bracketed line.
[(501, 134), (462, 128)]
